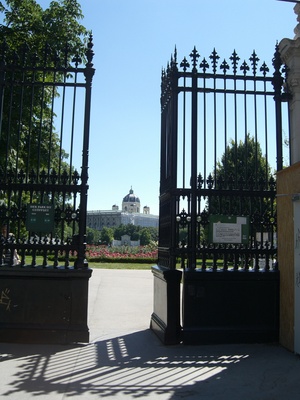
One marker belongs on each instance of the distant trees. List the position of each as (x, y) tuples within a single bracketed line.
[(144, 234), (130, 230), (106, 235), (92, 236), (136, 232)]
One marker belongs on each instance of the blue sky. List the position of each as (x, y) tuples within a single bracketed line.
[(133, 41)]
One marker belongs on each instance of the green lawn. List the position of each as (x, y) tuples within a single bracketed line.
[(119, 265), (101, 265)]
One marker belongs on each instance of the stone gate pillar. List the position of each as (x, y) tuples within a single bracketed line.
[(288, 184), (288, 189), (290, 55)]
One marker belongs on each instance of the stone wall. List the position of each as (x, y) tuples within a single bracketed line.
[(288, 184)]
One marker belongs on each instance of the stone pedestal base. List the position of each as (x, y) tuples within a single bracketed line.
[(231, 307), (165, 319), (43, 306)]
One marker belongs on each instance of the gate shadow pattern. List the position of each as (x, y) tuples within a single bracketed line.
[(138, 366)]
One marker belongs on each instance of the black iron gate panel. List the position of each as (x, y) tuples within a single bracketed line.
[(222, 142), (44, 142)]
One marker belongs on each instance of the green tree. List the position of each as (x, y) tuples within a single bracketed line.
[(243, 186), (119, 231), (129, 229), (57, 25), (106, 235), (137, 232), (153, 233), (145, 236), (24, 134), (242, 166), (29, 140), (92, 236)]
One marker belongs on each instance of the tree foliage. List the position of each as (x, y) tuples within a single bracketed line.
[(242, 167), (136, 232), (92, 236), (106, 235), (32, 41), (57, 25), (242, 162), (47, 37), (146, 235)]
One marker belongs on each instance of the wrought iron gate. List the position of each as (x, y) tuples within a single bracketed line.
[(221, 145), (44, 143), (45, 107)]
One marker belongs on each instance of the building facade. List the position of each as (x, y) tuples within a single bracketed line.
[(130, 214)]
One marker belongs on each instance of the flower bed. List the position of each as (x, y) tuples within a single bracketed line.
[(124, 254)]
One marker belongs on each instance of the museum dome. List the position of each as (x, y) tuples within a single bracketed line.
[(131, 203), (131, 197)]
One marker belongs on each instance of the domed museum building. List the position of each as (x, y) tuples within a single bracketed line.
[(130, 214)]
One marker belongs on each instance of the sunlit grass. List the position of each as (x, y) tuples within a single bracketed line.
[(120, 266), (103, 265), (126, 265)]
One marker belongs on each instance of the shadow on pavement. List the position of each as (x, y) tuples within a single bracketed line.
[(137, 365)]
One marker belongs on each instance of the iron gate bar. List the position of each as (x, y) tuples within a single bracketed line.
[(29, 79), (200, 109), (171, 194)]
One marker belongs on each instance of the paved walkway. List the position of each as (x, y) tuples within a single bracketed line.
[(125, 360)]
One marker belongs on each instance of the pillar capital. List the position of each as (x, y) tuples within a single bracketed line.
[(290, 55), (289, 50)]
